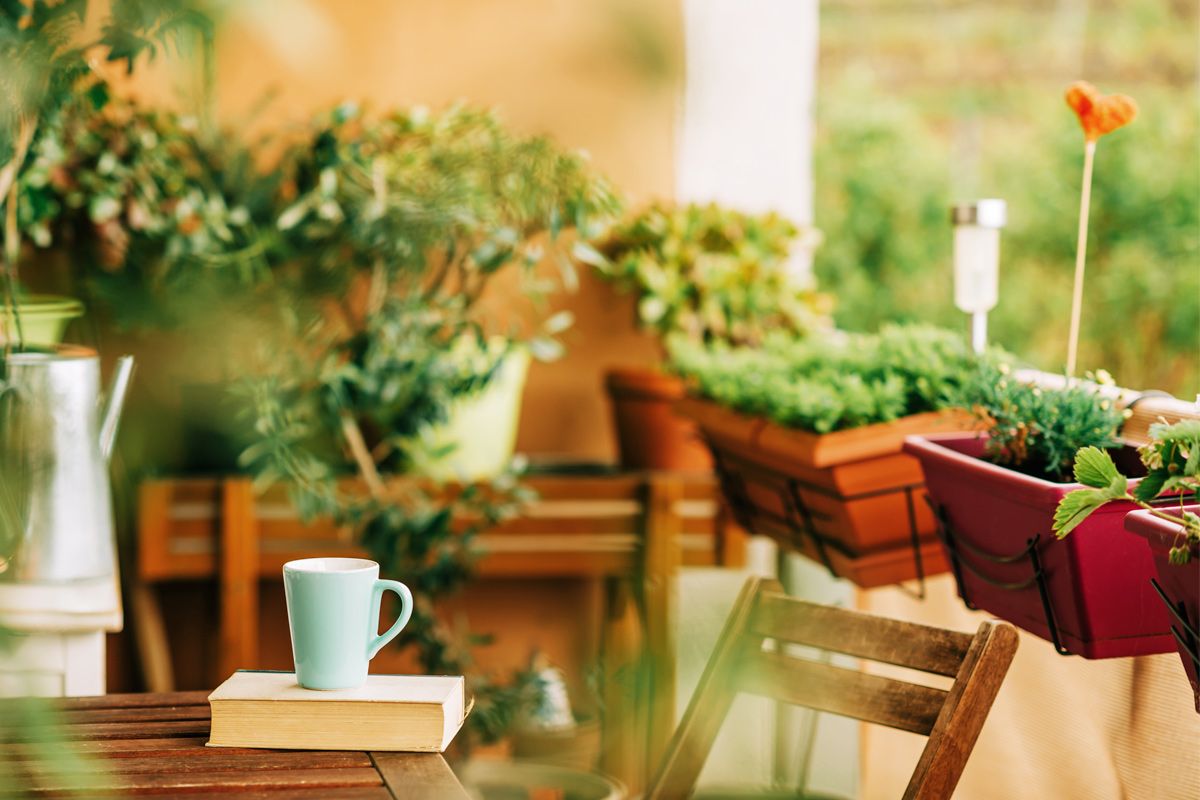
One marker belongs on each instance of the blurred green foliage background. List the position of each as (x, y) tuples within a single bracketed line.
[(924, 104)]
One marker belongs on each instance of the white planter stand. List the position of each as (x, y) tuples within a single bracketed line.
[(57, 631)]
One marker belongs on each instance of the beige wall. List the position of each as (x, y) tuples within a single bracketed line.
[(595, 74)]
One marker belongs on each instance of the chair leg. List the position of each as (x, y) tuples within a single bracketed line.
[(150, 638)]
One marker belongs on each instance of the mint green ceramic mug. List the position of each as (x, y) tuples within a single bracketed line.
[(333, 612)]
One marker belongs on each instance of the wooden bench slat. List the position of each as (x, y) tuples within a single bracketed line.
[(870, 698), (888, 641)]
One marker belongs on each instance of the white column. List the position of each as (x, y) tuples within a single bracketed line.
[(745, 125)]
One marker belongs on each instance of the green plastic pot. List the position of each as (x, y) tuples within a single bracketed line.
[(44, 318), (481, 430)]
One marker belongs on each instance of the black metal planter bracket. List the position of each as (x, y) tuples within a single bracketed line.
[(957, 548), (1189, 637), (798, 519)]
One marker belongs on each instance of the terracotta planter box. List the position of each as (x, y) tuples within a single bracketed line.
[(1180, 586), (1093, 598), (650, 435), (850, 499)]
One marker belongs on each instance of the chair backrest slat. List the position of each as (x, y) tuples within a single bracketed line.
[(838, 630), (825, 687), (951, 719)]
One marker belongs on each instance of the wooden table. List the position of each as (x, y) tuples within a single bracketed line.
[(153, 744), (627, 533)]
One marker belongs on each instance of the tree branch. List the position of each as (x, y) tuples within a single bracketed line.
[(362, 456)]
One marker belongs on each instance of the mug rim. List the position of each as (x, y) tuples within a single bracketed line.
[(306, 565)]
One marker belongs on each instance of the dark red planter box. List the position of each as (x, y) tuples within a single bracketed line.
[(1180, 584), (1095, 590)]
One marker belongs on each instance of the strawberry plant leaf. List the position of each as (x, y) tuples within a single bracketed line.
[(1148, 487), (1075, 507), (1094, 467)]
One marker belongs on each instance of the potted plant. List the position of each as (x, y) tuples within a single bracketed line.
[(44, 67), (44, 318), (44, 60), (1171, 460), (165, 227), (996, 494), (397, 224), (431, 207), (709, 274), (807, 437)]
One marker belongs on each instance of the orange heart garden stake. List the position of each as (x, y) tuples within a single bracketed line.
[(1098, 114)]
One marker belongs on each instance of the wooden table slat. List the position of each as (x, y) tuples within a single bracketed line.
[(319, 793), (214, 761), (194, 781), (120, 730), (418, 776), (192, 698), (135, 715), (178, 747)]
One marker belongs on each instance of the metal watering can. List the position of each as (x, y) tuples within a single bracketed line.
[(56, 436)]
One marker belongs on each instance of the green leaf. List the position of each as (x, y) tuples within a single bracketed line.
[(1075, 507), (1150, 486), (586, 254), (1094, 467), (545, 349), (559, 322), (1192, 466)]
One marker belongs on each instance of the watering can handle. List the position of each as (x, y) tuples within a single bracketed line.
[(113, 404)]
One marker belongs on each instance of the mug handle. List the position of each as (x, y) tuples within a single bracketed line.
[(406, 603)]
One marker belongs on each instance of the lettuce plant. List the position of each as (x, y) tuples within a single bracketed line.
[(824, 385)]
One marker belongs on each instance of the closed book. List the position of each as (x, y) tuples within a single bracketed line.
[(412, 713)]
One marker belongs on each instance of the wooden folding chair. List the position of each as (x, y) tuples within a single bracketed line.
[(950, 718)]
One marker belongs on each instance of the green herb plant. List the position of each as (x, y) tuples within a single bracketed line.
[(396, 225), (830, 384), (1037, 430), (163, 218), (1172, 461), (44, 64), (711, 273)]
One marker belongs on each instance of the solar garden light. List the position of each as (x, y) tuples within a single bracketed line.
[(977, 262)]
